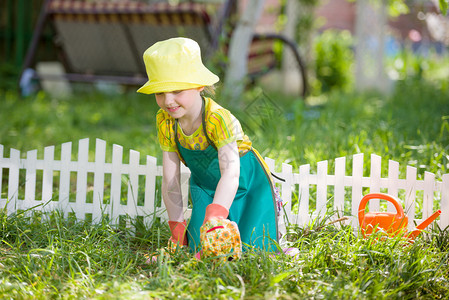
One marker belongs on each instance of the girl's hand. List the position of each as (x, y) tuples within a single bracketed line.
[(178, 233), (220, 241), (215, 211)]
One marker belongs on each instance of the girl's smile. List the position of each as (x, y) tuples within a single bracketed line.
[(183, 104), (173, 109)]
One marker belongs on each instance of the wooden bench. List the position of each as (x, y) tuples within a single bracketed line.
[(105, 41)]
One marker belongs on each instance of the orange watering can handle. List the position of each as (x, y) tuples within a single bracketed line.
[(364, 201)]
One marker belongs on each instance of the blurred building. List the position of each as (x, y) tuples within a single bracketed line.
[(414, 28)]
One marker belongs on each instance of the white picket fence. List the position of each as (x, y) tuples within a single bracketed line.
[(81, 187)]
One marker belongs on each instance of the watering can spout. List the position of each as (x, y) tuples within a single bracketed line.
[(424, 224)]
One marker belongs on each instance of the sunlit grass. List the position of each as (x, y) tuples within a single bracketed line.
[(52, 257)]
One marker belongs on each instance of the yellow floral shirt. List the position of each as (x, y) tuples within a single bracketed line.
[(221, 126)]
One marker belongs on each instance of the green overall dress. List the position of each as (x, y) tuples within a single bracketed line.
[(254, 206)]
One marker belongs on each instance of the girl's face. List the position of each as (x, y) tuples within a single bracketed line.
[(181, 103)]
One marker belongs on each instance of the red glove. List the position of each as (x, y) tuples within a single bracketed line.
[(178, 232), (215, 211)]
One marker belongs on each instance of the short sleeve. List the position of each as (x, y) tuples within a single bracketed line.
[(165, 132), (224, 128)]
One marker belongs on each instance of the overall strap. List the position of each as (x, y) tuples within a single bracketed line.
[(175, 129), (203, 122)]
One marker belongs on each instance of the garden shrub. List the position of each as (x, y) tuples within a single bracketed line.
[(334, 61)]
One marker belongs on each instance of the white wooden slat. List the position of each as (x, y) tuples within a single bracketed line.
[(13, 181), (339, 187), (270, 163), (115, 208), (357, 174), (444, 217), (392, 184), (150, 189), (81, 179), (30, 181), (287, 188), (133, 184), (410, 195), (64, 178), (365, 182), (47, 176), (428, 194), (303, 214), (98, 195), (321, 193), (375, 173)]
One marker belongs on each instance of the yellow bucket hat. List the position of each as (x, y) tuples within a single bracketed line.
[(175, 64)]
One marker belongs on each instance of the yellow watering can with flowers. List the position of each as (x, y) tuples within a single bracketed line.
[(392, 224)]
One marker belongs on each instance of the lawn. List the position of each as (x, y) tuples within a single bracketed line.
[(54, 257)]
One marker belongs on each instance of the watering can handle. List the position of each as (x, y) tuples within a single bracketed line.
[(364, 201)]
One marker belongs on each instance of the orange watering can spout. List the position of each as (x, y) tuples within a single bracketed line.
[(424, 224)]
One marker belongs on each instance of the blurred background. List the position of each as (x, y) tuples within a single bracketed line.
[(323, 30), (342, 76)]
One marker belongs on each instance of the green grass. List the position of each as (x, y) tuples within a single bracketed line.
[(48, 256), (57, 258)]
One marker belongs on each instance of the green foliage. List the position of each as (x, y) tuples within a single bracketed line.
[(40, 120), (397, 8), (443, 6), (9, 75), (334, 61), (407, 65)]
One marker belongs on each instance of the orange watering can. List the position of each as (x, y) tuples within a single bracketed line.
[(391, 223)]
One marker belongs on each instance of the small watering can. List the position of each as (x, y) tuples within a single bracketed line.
[(391, 223)]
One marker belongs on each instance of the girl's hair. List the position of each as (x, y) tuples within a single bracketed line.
[(208, 90)]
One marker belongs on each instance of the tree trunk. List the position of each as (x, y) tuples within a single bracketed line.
[(289, 66), (370, 38), (234, 82)]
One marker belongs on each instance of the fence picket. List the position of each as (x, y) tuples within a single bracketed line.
[(47, 176), (13, 182), (150, 190), (444, 217), (410, 195), (357, 174), (133, 183), (98, 193), (115, 209), (339, 188), (428, 195), (132, 205), (287, 188), (374, 187), (321, 190), (303, 214), (30, 181), (392, 184), (81, 179), (64, 178)]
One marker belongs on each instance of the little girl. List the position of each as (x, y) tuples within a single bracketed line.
[(229, 180)]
